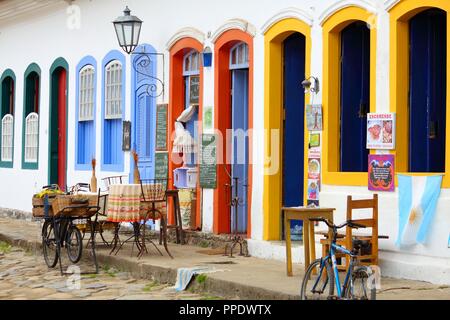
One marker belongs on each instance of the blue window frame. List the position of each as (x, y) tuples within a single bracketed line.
[(86, 99), (113, 110), (427, 90)]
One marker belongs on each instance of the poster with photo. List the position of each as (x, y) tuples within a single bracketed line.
[(312, 203), (314, 168), (313, 189), (314, 140), (314, 117), (381, 172), (381, 131)]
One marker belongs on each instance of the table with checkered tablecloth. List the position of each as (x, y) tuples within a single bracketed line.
[(125, 204)]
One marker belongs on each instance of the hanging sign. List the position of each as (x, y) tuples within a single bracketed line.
[(208, 162), (161, 165), (314, 117), (194, 89), (381, 172), (381, 131), (126, 136), (161, 127)]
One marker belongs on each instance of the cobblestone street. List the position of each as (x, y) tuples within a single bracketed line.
[(25, 276)]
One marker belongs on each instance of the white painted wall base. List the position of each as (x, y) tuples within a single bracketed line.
[(393, 264)]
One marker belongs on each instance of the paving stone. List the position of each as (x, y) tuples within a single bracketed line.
[(95, 286)]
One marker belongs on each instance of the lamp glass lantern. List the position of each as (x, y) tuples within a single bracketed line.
[(128, 30)]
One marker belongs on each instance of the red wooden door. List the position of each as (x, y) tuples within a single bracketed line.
[(62, 91)]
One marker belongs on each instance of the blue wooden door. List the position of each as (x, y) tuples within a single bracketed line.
[(240, 146), (428, 81), (145, 135), (144, 124), (293, 134), (355, 89), (293, 126)]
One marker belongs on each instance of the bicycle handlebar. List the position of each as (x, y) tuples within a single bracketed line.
[(349, 223)]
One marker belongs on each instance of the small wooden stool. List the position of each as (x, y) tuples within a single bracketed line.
[(178, 226)]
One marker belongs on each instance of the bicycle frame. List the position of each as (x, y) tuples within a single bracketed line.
[(332, 256)]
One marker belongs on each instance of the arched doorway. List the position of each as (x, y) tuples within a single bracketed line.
[(287, 64), (58, 123), (233, 119)]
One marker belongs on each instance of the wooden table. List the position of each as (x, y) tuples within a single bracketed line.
[(304, 214)]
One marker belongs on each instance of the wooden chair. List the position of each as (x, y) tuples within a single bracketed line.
[(369, 251)]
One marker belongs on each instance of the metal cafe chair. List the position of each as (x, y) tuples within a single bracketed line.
[(154, 192), (99, 223), (109, 181)]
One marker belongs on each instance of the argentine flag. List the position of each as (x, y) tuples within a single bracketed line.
[(418, 197)]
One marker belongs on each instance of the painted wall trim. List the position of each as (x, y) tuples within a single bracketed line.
[(187, 32), (339, 5), (33, 67), (399, 16), (331, 93), (110, 56), (273, 102), (389, 4), (87, 60), (237, 24), (12, 75), (287, 13)]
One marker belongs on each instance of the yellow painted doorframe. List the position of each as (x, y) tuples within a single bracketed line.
[(399, 16), (273, 106)]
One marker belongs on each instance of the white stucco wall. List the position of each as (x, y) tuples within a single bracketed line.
[(43, 37)]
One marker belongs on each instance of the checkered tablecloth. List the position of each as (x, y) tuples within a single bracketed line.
[(125, 204)]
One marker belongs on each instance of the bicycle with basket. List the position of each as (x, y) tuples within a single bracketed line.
[(59, 211)]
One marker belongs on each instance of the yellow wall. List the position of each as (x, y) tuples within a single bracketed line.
[(332, 27), (273, 106), (399, 75)]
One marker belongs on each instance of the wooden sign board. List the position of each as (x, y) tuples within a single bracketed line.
[(161, 165), (126, 136), (161, 127), (208, 162)]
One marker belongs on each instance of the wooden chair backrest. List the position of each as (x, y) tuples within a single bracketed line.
[(368, 222)]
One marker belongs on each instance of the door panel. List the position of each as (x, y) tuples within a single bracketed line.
[(62, 91), (145, 135), (428, 80), (294, 102), (355, 90), (240, 146)]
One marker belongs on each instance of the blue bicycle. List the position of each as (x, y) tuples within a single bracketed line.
[(322, 276)]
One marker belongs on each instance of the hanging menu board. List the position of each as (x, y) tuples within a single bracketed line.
[(161, 165), (208, 162), (161, 127)]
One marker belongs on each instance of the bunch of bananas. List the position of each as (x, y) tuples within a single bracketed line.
[(48, 191)]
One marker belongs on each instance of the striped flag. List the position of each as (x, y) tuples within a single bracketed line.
[(418, 197)]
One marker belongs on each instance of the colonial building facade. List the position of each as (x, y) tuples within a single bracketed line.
[(67, 88)]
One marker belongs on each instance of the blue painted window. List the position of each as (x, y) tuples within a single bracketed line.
[(355, 96), (191, 74), (239, 56), (85, 116), (427, 90), (113, 107)]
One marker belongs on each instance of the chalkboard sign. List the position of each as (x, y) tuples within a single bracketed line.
[(208, 162), (161, 127), (161, 165), (194, 92), (126, 136)]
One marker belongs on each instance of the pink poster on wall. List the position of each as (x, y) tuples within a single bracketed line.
[(381, 172)]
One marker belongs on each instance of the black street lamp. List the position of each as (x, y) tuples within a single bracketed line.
[(128, 30)]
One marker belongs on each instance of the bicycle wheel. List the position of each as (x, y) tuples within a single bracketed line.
[(362, 286), (317, 285), (74, 244), (49, 247)]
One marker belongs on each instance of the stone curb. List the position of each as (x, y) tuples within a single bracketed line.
[(211, 285)]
